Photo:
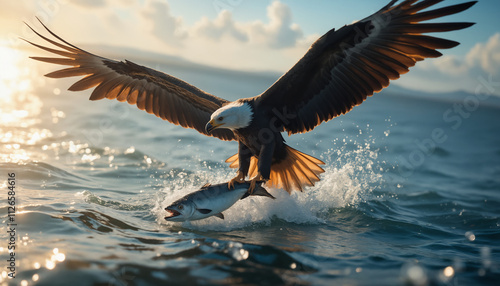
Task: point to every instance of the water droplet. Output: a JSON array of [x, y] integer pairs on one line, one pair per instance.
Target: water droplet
[[130, 150], [449, 271], [35, 277], [470, 236], [49, 264], [60, 257], [414, 275], [244, 254], [486, 257], [447, 274]]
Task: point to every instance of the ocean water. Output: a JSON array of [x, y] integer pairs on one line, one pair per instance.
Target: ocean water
[[410, 196]]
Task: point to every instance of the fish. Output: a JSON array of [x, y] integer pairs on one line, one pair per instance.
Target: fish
[[211, 200]]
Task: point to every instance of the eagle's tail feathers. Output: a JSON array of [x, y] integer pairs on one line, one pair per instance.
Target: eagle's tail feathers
[[296, 171]]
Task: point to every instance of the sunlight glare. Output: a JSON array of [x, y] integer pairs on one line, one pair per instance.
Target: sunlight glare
[[20, 107], [9, 59], [16, 101]]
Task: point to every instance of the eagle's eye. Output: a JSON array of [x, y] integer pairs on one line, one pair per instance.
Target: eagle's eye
[[220, 118]]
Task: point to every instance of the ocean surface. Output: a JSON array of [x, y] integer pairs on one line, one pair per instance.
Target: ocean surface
[[410, 196]]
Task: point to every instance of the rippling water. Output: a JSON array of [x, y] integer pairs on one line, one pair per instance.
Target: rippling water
[[410, 195]]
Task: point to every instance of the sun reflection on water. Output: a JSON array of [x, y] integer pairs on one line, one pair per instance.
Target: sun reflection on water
[[9, 58], [20, 107]]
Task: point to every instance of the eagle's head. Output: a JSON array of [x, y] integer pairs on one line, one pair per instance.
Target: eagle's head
[[234, 115]]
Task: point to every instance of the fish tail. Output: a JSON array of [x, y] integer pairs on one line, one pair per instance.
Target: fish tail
[[258, 191], [295, 171], [261, 191]]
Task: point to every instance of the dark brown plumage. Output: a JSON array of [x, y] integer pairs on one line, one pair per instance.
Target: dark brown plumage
[[153, 91], [340, 70], [344, 67]]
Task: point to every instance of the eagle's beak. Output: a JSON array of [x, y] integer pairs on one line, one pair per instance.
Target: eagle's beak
[[211, 125]]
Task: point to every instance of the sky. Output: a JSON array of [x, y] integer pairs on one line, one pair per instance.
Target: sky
[[255, 35]]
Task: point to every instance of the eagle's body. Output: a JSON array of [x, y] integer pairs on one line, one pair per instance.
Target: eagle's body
[[260, 140], [340, 70]]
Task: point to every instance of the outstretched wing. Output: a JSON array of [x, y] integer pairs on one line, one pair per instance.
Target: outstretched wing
[[153, 91], [343, 67]]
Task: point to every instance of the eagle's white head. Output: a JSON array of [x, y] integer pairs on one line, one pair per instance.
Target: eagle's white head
[[233, 116]]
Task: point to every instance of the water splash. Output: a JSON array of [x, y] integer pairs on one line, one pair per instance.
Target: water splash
[[349, 178]]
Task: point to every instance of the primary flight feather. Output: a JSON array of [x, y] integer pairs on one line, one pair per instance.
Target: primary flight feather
[[340, 70]]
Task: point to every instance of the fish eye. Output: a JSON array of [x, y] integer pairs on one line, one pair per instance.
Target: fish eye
[[180, 207], [220, 118]]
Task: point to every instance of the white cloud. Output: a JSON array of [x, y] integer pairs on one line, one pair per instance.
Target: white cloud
[[483, 57], [486, 56], [164, 25], [451, 73], [223, 25], [275, 44], [280, 32]]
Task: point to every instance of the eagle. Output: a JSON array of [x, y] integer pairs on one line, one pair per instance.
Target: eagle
[[338, 72]]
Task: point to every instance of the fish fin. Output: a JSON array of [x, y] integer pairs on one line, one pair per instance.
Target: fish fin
[[219, 215], [207, 185], [204, 211]]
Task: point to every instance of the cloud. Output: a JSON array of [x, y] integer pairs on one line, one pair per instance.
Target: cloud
[[486, 56], [275, 43], [280, 32], [457, 73], [223, 25], [483, 57], [165, 26]]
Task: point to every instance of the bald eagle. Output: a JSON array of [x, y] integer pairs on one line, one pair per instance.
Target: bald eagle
[[339, 71]]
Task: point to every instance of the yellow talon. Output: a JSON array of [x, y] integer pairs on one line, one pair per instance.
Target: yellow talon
[[240, 178], [253, 182]]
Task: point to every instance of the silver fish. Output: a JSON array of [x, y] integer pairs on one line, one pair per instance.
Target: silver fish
[[211, 200]]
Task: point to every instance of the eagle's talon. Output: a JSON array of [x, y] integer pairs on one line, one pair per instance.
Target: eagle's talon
[[254, 182], [240, 178]]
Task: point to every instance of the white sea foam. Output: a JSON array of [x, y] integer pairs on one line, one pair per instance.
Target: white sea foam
[[348, 179]]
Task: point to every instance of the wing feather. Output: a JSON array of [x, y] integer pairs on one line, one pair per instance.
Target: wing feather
[[155, 92], [437, 13], [344, 67], [69, 72]]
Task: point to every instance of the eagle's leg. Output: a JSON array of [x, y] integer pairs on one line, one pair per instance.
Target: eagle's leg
[[244, 155], [240, 178], [263, 165]]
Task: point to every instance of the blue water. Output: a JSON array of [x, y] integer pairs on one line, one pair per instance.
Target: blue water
[[410, 195]]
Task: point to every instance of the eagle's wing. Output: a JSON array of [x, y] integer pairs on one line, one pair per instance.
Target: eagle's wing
[[153, 91], [343, 67]]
